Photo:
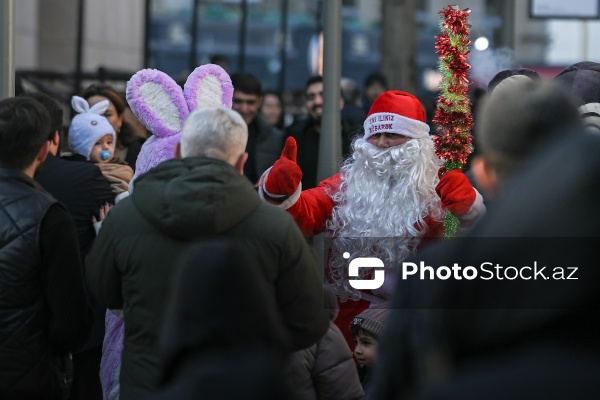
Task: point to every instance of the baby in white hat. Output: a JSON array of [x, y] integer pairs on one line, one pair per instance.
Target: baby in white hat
[[93, 137]]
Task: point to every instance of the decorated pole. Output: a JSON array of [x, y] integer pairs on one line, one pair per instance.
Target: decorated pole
[[453, 118]]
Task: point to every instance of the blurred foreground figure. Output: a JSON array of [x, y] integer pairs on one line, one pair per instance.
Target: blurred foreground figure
[[517, 118], [223, 336], [43, 310], [583, 80], [530, 335], [200, 194]]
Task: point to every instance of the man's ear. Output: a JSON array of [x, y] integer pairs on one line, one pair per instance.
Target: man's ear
[[54, 143], [239, 164], [178, 150], [56, 138], [43, 152], [484, 175]]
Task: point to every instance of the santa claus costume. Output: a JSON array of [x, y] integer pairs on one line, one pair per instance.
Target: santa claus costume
[[385, 201]]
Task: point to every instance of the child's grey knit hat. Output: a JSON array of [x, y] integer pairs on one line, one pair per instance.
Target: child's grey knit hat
[[372, 320]]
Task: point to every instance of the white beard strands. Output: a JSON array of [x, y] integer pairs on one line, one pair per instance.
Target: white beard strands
[[382, 203]]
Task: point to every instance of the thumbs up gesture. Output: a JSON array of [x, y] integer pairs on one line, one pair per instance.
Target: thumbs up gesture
[[283, 178]]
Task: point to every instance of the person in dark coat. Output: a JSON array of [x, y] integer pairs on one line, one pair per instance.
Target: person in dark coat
[[307, 133], [83, 189], [43, 311], [80, 186], [264, 141], [516, 118], [201, 194], [374, 85], [582, 79], [533, 335], [352, 112], [211, 347], [325, 370], [503, 79]]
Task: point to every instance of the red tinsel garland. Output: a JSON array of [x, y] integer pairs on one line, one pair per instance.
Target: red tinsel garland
[[453, 118]]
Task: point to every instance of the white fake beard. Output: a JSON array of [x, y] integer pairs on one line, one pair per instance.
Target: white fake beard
[[382, 203]]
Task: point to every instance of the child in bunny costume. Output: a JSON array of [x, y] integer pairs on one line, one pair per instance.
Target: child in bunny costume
[[93, 137], [161, 105]]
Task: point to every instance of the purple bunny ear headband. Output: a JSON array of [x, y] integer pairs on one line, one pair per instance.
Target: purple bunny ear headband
[[162, 106]]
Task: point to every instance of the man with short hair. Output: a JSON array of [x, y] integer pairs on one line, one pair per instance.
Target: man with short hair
[[582, 79], [517, 119], [43, 307], [264, 141], [307, 132], [201, 194], [374, 85], [82, 188]]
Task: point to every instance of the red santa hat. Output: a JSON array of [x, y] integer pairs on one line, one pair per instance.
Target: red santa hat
[[398, 112]]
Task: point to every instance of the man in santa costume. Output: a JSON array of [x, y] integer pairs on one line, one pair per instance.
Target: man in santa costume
[[385, 202]]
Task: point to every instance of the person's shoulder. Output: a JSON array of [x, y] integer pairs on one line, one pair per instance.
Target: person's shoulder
[[265, 127], [73, 157], [333, 341], [66, 168], [274, 213], [298, 126], [276, 223]]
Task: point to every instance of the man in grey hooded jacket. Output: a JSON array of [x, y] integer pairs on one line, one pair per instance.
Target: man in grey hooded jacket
[[200, 194]]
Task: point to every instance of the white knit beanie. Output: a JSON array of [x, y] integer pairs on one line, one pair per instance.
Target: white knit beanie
[[88, 126]]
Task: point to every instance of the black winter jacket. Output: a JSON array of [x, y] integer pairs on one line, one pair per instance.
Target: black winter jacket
[[36, 329], [144, 236]]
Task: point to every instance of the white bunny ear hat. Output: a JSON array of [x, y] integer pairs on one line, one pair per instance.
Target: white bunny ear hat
[[88, 126], [162, 106]]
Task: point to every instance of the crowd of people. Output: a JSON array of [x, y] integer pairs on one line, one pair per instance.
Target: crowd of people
[[180, 265]]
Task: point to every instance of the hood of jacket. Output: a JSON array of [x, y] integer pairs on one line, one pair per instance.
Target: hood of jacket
[[194, 196]]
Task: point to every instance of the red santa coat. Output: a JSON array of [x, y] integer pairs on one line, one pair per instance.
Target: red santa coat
[[311, 209]]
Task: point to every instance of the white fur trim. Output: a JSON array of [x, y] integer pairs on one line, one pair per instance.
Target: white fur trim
[[121, 196], [97, 226], [394, 123], [287, 203], [210, 93], [593, 117], [158, 100], [474, 214]]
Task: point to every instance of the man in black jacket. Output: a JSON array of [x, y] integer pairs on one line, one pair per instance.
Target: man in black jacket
[[264, 141], [201, 194], [307, 132], [83, 189], [43, 311]]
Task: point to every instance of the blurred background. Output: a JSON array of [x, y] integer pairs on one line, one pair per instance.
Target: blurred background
[[63, 45]]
